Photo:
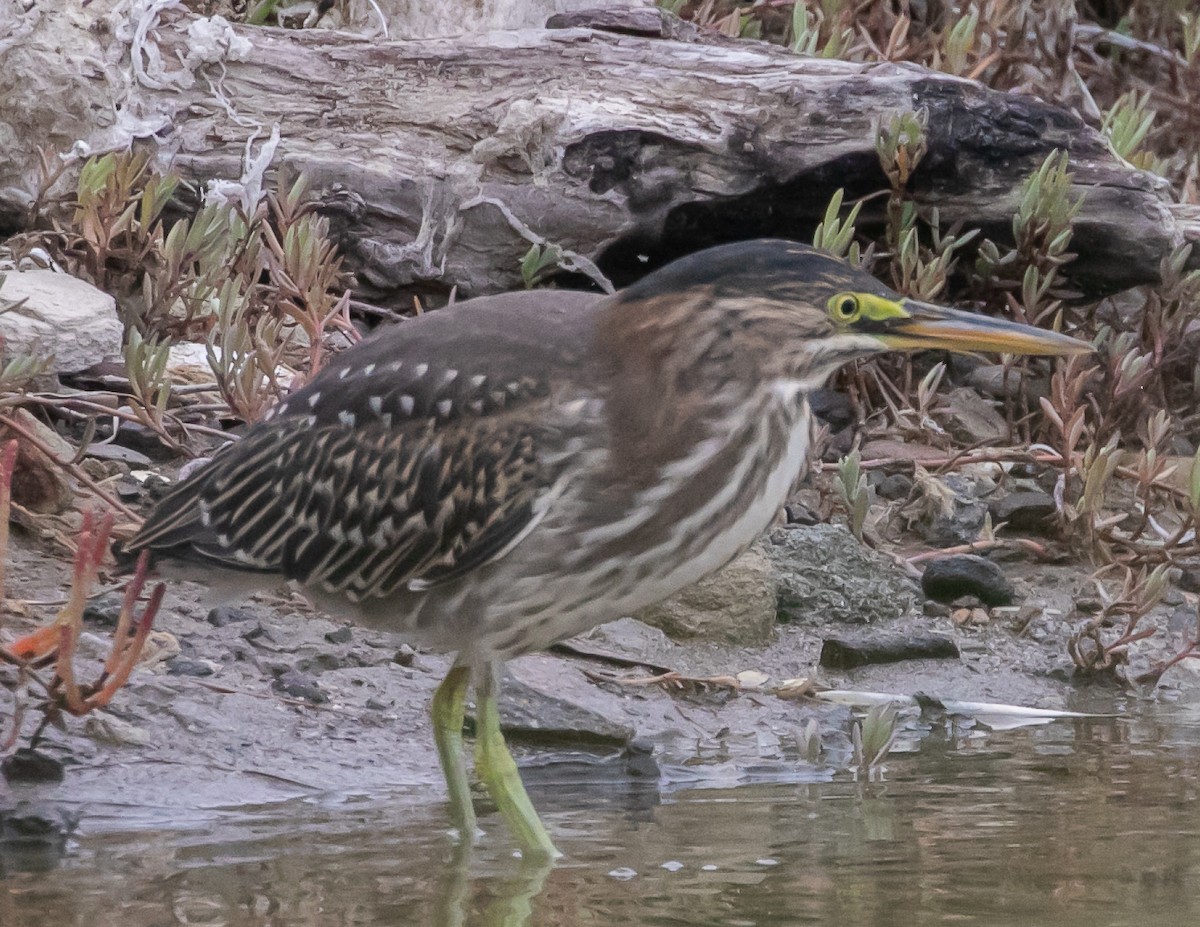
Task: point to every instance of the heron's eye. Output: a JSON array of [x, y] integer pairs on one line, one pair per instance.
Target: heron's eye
[[844, 307]]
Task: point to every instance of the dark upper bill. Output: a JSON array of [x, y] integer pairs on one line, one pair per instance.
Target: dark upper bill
[[930, 326]]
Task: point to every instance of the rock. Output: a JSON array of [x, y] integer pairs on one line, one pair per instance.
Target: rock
[[224, 615], [736, 605], [995, 381], [832, 407], [1189, 579], [967, 617], [947, 578], [1031, 511], [34, 838], [629, 638], [39, 483], [549, 700], [797, 513], [931, 609], [949, 510], [109, 729], [340, 636], [300, 685], [848, 651], [404, 656], [970, 418], [184, 667], [825, 575], [892, 486], [29, 765], [63, 316], [104, 611]]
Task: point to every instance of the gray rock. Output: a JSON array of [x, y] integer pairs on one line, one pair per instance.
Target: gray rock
[[405, 656], [736, 605], [224, 615], [832, 407], [1025, 511], [892, 486], [34, 836], [960, 520], [845, 651], [630, 638], [29, 765], [947, 578], [180, 666], [552, 702], [971, 419], [104, 611], [993, 380], [340, 636], [826, 575], [63, 316], [300, 685]]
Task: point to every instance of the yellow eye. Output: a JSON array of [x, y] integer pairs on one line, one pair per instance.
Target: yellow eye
[[844, 307]]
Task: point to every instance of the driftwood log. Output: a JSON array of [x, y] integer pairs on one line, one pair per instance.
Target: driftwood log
[[440, 160]]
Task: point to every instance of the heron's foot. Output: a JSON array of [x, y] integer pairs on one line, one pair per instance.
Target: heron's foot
[[449, 705], [496, 768]]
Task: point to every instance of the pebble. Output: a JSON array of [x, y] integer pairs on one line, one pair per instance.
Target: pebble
[[935, 609], [103, 611], [29, 765], [623, 874], [183, 667], [404, 656], [300, 685], [672, 865], [947, 578], [340, 636], [1031, 511], [224, 615], [963, 617], [894, 486], [833, 407], [256, 632]]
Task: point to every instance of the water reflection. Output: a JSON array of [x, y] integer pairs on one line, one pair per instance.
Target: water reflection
[[1080, 823]]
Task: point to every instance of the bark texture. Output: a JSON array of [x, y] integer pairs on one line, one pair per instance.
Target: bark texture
[[440, 160]]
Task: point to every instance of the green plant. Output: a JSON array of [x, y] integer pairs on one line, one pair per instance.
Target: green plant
[[872, 739], [1127, 124], [852, 487], [150, 389], [539, 261], [834, 234]]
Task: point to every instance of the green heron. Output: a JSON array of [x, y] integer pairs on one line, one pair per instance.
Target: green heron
[[498, 476]]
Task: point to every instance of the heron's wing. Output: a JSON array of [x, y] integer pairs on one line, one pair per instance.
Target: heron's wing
[[387, 470], [357, 510]]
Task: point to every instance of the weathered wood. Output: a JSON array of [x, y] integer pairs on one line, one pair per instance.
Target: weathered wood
[[442, 158]]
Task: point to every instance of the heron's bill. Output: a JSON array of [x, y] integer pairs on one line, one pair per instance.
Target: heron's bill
[[934, 327]]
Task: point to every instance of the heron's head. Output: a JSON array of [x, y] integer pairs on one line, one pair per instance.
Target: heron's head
[[803, 313]]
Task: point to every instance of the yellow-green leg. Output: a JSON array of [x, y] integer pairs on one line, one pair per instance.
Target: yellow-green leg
[[449, 704], [496, 768]]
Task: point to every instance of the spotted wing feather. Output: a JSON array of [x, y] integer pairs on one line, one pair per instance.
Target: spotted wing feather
[[356, 511], [408, 461]]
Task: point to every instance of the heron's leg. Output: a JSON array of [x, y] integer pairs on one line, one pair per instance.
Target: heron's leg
[[449, 704], [497, 770]]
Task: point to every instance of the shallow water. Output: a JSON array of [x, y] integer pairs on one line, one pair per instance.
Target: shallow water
[[1074, 823]]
